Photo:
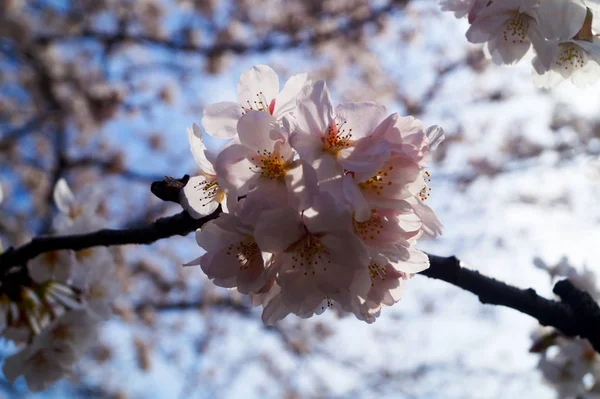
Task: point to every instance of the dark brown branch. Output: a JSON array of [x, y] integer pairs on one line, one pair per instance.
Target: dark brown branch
[[179, 224], [576, 315]]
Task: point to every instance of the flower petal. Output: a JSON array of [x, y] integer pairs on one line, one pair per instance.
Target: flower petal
[[200, 196], [315, 111], [220, 119], [260, 79], [277, 229], [286, 99], [254, 129], [63, 196], [199, 150], [360, 119]]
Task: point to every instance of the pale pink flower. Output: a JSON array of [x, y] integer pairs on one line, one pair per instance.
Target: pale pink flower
[[264, 160], [574, 51], [52, 265], [77, 215], [258, 89], [317, 257], [232, 258], [398, 179], [53, 352], [387, 287], [202, 194], [390, 239], [509, 27], [408, 136], [95, 277], [347, 139]]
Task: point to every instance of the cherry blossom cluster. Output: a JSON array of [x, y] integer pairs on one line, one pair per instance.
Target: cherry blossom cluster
[[322, 205], [562, 35], [569, 365], [54, 307]]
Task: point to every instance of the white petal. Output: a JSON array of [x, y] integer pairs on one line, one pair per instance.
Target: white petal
[[360, 206], [259, 79], [435, 135], [234, 170], [274, 311], [362, 118], [198, 198], [560, 19], [416, 262], [199, 150], [286, 99], [315, 111], [220, 119], [277, 229], [308, 146], [254, 129], [63, 196]]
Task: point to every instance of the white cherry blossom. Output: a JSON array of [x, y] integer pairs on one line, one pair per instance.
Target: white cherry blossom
[[317, 257], [77, 215], [95, 277], [202, 194], [258, 89], [232, 258], [509, 27], [53, 352], [52, 265]]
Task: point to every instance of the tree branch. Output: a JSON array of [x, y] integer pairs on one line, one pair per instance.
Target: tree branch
[[576, 315]]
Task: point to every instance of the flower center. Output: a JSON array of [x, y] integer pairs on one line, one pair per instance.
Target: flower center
[[83, 254], [377, 271], [337, 138], [52, 258], [62, 333], [246, 252], [210, 191], [370, 229], [95, 291], [570, 54], [308, 253], [378, 182], [425, 192], [516, 29], [260, 104], [272, 165]]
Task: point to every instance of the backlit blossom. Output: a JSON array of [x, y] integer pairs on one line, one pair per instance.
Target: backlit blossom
[[562, 33], [232, 258], [325, 206], [258, 90], [202, 194], [509, 28], [53, 352], [317, 257]]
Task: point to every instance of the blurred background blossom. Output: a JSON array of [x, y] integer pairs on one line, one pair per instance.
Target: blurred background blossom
[[101, 93]]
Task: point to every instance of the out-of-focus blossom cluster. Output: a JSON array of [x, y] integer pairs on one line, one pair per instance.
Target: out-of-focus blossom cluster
[[323, 205], [570, 365], [562, 34], [54, 307]]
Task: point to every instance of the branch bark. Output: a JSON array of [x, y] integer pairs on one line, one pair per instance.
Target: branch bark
[[576, 315]]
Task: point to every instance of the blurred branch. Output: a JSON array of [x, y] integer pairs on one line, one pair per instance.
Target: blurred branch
[[340, 29], [576, 315], [9, 137], [222, 302]]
